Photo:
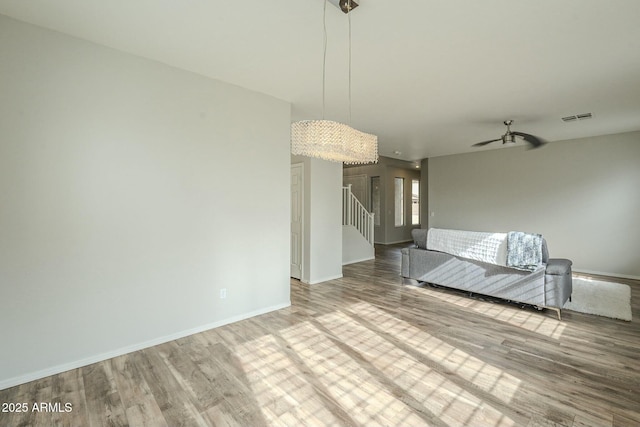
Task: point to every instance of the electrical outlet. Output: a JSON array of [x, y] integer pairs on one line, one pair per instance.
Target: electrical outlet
[[223, 293]]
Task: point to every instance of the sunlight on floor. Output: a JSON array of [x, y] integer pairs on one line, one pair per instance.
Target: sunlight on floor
[[338, 369], [522, 318], [439, 395], [361, 396], [488, 378], [282, 392]]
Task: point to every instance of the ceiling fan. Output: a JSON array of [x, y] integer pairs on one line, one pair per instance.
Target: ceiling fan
[[510, 137]]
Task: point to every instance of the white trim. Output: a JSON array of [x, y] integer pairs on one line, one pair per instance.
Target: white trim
[[602, 273], [302, 212], [324, 279], [396, 242], [358, 260], [11, 382]]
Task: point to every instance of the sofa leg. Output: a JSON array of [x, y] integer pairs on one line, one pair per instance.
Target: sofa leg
[[557, 310]]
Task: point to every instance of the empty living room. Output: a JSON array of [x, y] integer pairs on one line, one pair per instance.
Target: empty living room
[[323, 212]]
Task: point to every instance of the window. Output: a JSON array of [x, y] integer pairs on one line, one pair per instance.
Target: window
[[415, 202], [399, 201]]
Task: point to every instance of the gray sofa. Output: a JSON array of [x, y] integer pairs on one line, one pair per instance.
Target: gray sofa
[[548, 286]]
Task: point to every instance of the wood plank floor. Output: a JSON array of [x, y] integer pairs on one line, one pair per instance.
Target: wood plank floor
[[368, 349]]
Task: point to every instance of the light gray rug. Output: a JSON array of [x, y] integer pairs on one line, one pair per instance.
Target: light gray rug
[[601, 298]]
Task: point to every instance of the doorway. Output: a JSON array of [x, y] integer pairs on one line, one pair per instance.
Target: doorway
[[297, 218]]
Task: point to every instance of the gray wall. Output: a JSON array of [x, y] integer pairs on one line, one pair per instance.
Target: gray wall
[[582, 195], [388, 169], [125, 205], [403, 233]]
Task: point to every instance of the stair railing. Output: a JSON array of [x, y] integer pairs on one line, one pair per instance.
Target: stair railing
[[353, 213]]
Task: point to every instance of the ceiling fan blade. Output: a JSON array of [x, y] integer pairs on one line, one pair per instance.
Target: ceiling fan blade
[[480, 144], [533, 140]]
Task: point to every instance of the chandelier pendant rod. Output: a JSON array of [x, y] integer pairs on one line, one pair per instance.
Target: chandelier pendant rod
[[349, 19], [324, 56]]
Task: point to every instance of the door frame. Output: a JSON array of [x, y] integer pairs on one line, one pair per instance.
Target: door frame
[[299, 166]]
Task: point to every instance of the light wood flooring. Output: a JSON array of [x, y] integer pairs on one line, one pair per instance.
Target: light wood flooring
[[368, 349]]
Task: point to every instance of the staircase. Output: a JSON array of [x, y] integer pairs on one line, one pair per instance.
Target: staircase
[[357, 230]]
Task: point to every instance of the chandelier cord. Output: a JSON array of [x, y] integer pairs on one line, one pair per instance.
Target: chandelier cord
[[324, 55], [330, 140], [349, 19]]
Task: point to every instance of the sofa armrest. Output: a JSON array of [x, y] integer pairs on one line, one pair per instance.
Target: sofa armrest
[[419, 236], [558, 282], [558, 266], [405, 263]]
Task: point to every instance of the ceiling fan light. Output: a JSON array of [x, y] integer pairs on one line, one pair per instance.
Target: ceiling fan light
[[508, 138]]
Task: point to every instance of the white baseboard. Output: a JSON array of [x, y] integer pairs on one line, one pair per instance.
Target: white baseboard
[[396, 242], [358, 260], [11, 382], [324, 279], [604, 273]]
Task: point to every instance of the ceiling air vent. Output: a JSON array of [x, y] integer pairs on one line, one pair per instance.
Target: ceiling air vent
[[583, 116]]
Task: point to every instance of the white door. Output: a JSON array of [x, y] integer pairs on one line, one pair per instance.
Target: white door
[[297, 204]]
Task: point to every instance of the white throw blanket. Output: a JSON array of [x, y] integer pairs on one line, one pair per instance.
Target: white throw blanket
[[478, 246]]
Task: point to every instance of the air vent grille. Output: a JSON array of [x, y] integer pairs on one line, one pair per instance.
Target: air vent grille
[[583, 116]]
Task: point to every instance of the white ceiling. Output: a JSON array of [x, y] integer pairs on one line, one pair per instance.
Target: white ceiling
[[429, 77]]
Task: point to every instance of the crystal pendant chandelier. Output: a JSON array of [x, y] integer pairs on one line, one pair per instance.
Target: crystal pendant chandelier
[[329, 140]]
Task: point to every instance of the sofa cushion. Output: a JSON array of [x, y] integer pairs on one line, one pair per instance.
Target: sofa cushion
[[419, 236]]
